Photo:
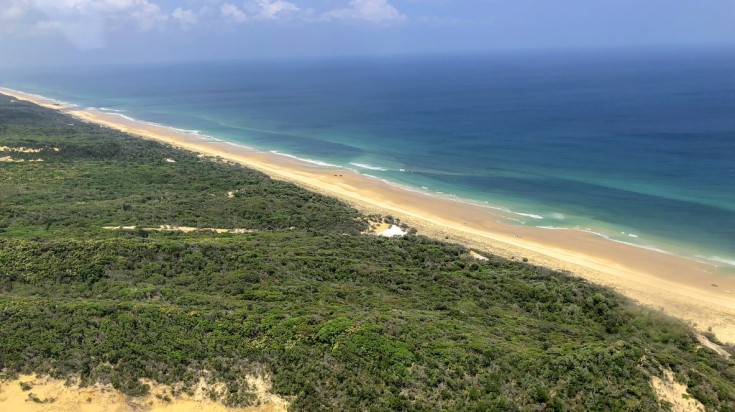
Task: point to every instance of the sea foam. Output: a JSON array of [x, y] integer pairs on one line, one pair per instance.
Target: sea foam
[[302, 159], [369, 167], [531, 215], [718, 259]]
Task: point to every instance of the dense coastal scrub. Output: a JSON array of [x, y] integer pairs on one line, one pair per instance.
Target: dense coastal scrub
[[340, 320]]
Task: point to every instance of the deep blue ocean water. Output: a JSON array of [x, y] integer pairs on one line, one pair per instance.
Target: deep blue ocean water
[[637, 146]]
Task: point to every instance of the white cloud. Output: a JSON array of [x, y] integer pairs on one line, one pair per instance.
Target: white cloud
[[143, 11], [148, 15], [231, 12], [84, 23], [272, 10], [46, 25], [87, 23], [12, 13], [10, 16], [258, 10], [441, 21], [185, 17], [376, 11]]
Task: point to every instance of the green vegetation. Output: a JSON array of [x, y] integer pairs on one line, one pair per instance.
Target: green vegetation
[[340, 320]]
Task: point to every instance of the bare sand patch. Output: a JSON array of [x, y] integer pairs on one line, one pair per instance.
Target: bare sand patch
[[376, 225], [19, 149], [711, 345], [477, 256], [31, 393], [8, 159], [675, 393], [184, 229]]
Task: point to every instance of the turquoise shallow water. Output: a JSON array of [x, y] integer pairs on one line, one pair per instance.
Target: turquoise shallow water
[[638, 147]]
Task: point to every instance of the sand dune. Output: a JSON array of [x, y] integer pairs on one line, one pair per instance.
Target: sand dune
[[30, 393]]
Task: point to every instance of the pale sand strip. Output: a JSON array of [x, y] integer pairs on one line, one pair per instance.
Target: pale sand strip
[[681, 287], [48, 394], [668, 389]]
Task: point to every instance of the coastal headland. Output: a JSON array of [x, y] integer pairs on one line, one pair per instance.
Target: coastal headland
[[694, 291]]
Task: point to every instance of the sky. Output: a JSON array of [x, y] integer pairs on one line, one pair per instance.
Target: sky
[[61, 32]]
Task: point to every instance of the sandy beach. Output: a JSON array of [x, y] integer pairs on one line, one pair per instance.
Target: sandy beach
[[690, 290]]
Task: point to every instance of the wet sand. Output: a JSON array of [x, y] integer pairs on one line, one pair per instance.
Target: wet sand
[[681, 287]]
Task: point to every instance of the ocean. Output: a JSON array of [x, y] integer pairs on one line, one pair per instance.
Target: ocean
[[635, 146]]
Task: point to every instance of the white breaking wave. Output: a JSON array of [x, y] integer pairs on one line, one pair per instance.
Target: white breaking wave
[[134, 120], [196, 133], [718, 259], [238, 145], [301, 159], [38, 96], [637, 245], [523, 222], [531, 215], [369, 167]]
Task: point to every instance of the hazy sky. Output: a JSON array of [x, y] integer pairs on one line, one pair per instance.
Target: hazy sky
[[40, 32]]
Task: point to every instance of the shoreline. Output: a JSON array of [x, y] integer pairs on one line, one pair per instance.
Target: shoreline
[[609, 232], [682, 287]]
